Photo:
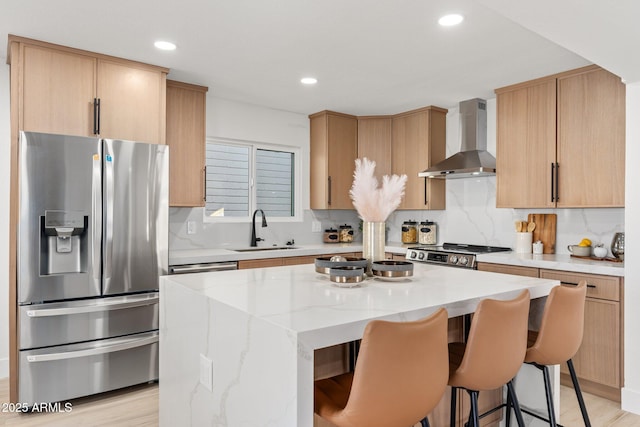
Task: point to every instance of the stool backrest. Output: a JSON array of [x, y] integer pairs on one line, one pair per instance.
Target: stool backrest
[[562, 326], [496, 344], [401, 372]]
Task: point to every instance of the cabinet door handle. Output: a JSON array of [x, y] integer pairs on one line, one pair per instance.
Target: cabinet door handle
[[425, 191], [96, 116], [557, 179], [575, 284], [553, 170], [204, 186], [329, 201]]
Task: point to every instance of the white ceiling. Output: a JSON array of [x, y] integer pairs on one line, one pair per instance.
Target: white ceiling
[[370, 57]]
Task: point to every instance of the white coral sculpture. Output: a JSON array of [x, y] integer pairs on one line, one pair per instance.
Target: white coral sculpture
[[372, 203]]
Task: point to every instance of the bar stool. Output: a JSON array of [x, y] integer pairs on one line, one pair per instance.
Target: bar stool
[[492, 355], [558, 340], [400, 376]]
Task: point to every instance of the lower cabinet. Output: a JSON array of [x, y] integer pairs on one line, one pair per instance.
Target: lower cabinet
[[599, 361], [294, 260]]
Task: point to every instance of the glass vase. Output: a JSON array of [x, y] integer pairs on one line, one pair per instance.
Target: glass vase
[[373, 237]]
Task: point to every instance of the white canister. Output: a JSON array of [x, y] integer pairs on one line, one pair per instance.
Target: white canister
[[427, 233], [524, 242], [538, 247]]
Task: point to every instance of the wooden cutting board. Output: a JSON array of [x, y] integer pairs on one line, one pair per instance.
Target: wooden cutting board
[[545, 231]]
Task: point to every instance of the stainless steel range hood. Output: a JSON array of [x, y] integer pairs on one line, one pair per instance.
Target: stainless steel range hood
[[473, 160]]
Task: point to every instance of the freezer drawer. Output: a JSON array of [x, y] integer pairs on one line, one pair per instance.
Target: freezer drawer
[[43, 325], [66, 372]]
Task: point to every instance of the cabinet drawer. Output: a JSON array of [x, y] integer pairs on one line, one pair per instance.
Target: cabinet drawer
[[602, 287]]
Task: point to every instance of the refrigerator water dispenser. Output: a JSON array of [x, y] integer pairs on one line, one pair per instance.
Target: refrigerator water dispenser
[[63, 242]]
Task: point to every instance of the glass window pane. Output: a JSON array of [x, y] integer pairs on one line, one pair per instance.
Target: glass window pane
[[274, 182], [227, 180]]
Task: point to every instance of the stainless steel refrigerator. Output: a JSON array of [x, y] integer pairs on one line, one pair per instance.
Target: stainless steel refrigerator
[[92, 243]]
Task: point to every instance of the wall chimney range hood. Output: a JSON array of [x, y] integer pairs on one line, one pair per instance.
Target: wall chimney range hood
[[473, 160]]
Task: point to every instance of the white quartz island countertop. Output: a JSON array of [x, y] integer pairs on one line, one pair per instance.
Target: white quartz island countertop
[[260, 327]]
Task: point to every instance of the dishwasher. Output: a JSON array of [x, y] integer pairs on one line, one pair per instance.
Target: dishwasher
[[203, 268]]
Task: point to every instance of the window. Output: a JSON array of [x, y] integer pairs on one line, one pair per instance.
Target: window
[[243, 176]]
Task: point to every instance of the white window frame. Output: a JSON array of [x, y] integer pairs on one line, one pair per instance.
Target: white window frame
[[297, 183]]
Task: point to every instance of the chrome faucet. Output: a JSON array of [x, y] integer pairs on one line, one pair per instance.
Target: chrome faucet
[[254, 240]]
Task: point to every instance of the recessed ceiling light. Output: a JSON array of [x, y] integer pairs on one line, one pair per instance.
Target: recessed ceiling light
[[450, 20], [308, 80], [164, 45]]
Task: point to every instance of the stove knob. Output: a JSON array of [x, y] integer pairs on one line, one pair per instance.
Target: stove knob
[[464, 260], [453, 259], [421, 256], [412, 254]]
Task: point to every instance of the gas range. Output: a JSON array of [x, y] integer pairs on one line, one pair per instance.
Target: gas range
[[451, 254]]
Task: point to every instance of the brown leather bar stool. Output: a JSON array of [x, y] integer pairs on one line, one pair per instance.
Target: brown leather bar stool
[[492, 355], [558, 340], [400, 376]]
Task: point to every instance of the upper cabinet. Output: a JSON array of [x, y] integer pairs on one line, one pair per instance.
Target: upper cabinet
[[186, 133], [419, 141], [74, 92], [374, 142], [405, 143], [561, 141], [334, 140]]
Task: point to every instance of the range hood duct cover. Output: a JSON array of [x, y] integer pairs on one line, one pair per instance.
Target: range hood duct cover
[[473, 160]]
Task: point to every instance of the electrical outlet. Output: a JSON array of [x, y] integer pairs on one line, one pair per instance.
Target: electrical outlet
[[191, 227], [206, 372], [316, 226]]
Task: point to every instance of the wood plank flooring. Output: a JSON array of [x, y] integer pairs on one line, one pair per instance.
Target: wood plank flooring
[[138, 406]]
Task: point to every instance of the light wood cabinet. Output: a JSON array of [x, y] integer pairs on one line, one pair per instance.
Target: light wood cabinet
[[509, 269], [374, 142], [418, 142], [186, 133], [132, 101], [334, 139], [599, 361], [561, 141], [74, 92]]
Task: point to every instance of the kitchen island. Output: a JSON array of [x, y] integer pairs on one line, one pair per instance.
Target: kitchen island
[[260, 327]]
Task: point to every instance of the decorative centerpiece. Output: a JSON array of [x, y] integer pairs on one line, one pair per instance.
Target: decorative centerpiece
[[374, 204]]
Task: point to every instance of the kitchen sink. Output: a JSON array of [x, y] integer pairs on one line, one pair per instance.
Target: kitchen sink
[[268, 248]]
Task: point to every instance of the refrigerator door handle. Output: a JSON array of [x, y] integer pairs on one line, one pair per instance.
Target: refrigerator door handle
[[108, 229], [96, 214], [93, 308], [139, 342]]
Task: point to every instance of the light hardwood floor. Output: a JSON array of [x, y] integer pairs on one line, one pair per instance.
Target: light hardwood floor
[[138, 406]]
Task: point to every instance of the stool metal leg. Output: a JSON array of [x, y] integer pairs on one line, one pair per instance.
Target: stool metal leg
[[576, 387], [508, 410], [514, 402], [474, 420], [547, 390], [452, 416], [425, 422]]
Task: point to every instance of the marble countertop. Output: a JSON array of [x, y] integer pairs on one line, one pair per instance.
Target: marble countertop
[[197, 256], [555, 262], [549, 261], [307, 303]]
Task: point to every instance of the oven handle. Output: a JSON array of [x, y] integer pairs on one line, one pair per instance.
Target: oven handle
[[140, 342], [92, 308]]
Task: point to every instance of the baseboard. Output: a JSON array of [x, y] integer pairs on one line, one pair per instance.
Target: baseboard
[[630, 400], [4, 368]]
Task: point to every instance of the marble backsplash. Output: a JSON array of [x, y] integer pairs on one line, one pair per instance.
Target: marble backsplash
[[470, 217]]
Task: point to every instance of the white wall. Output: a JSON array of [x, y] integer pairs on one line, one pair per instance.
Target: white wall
[[631, 390], [5, 141]]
